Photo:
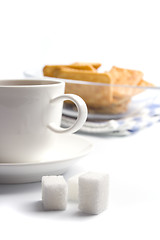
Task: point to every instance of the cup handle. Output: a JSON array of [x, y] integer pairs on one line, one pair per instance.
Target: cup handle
[[82, 113]]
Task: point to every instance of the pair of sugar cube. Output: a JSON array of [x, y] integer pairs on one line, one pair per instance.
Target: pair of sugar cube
[[89, 189]]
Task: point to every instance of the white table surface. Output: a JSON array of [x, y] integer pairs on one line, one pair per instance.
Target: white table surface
[[133, 164]]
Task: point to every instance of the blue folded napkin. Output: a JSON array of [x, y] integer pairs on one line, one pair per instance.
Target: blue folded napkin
[[120, 127]]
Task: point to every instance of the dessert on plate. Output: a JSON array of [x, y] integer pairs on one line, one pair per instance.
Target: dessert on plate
[[109, 92]]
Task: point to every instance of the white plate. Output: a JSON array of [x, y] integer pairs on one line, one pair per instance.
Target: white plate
[[67, 149], [33, 72]]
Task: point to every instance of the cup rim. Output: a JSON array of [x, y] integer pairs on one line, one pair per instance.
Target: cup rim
[[43, 82]]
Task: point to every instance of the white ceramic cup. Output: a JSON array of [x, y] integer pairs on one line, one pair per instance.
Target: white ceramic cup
[[30, 118]]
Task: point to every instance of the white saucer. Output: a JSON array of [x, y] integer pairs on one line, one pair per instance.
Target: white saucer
[[67, 149]]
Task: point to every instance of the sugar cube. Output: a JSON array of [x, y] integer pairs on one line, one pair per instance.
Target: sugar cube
[[73, 187], [93, 192], [54, 193]]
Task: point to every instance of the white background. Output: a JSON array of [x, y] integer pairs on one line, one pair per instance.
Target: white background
[[122, 33]]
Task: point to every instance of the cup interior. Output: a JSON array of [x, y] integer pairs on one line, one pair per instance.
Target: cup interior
[[27, 82]]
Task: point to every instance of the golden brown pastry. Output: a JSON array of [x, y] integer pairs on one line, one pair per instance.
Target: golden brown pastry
[[112, 96]]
